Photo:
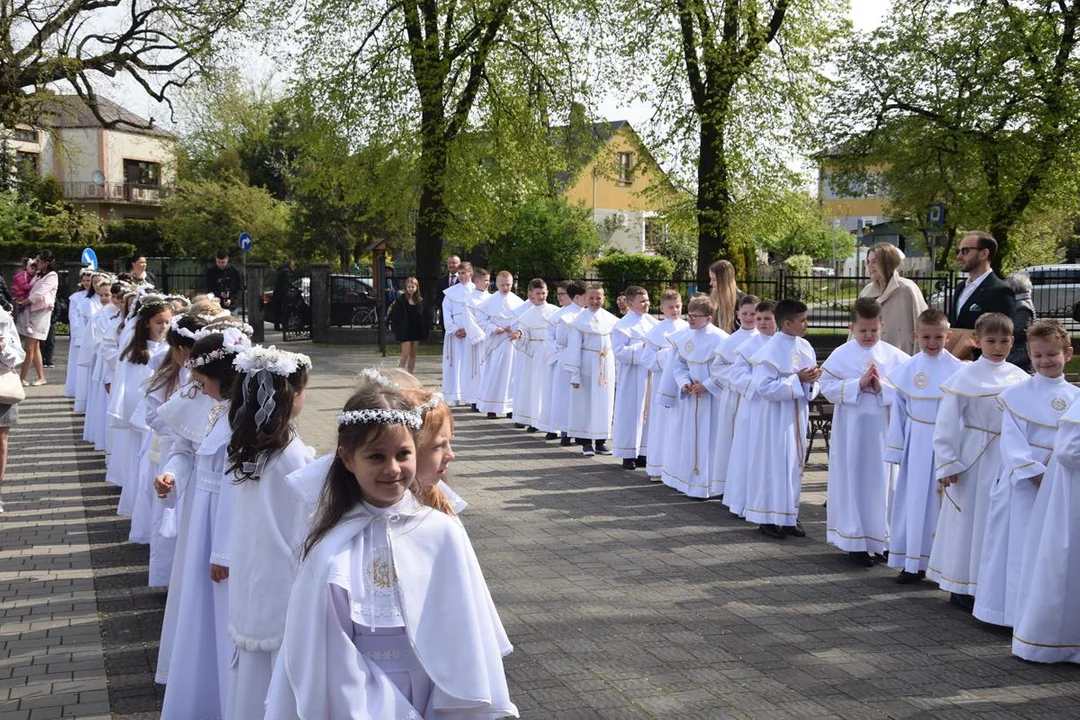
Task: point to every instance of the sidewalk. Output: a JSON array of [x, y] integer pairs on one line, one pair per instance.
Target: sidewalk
[[623, 599]]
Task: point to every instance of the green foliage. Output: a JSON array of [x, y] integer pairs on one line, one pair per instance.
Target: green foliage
[[16, 250], [617, 270], [16, 217], [548, 239], [202, 217], [143, 234], [26, 218], [800, 267], [789, 222], [989, 128]]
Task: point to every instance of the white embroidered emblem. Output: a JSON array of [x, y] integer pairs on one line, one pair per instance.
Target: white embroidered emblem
[[1013, 379], [1059, 404], [922, 380], [689, 347], [796, 358]]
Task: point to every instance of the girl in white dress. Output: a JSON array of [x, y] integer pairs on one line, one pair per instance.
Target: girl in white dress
[[198, 667], [133, 367], [389, 617], [77, 309], [264, 450], [95, 357], [433, 451], [100, 300]]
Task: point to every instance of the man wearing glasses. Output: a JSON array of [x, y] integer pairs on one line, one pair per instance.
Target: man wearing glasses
[[982, 291]]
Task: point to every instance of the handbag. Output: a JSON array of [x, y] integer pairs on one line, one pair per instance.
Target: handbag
[[11, 389]]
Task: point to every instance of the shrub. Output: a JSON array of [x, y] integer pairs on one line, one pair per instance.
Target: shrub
[[549, 239], [16, 250], [797, 281], [617, 270]]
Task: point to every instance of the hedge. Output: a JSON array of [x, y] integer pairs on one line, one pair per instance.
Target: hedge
[[107, 253], [617, 270]]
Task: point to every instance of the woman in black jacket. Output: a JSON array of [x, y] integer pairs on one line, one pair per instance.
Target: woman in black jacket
[[409, 322]]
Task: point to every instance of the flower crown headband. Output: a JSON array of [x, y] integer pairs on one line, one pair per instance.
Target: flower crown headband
[[431, 404], [371, 374], [409, 418], [233, 341], [263, 363], [87, 272]]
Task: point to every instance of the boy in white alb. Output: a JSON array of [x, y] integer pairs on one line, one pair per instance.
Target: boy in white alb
[[729, 399], [968, 457], [740, 383], [695, 415], [591, 365], [555, 410], [455, 340], [916, 500], [495, 396], [1046, 626], [859, 477], [530, 330], [471, 372], [628, 436], [1029, 425], [657, 356], [785, 376]]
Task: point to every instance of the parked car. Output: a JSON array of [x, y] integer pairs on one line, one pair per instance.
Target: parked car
[[1055, 289], [352, 302]]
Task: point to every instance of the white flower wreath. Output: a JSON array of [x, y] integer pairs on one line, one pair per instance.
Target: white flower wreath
[[431, 404], [408, 418], [274, 361], [371, 374]]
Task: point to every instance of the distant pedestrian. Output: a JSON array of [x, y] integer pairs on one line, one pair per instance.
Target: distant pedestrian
[[409, 321], [283, 285], [724, 293], [225, 282], [1025, 314], [36, 317], [138, 272]]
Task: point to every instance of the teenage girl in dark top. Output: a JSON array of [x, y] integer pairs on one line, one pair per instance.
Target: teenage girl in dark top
[[409, 322]]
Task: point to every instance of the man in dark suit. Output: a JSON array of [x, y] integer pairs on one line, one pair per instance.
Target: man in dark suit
[[445, 281], [982, 291]]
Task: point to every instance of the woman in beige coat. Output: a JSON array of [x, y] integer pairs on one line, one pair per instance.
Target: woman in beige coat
[[901, 300]]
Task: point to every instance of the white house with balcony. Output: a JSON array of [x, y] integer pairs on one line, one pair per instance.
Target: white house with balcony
[[117, 172]]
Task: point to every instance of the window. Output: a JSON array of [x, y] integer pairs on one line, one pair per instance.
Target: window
[[626, 168], [28, 163], [25, 135], [655, 233], [139, 172]]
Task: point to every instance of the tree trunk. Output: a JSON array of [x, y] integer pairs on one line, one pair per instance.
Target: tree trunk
[[714, 192], [432, 212], [1000, 230]]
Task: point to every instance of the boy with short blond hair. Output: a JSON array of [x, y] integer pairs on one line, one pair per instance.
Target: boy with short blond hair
[[858, 474], [497, 316], [966, 438], [529, 333], [696, 412], [916, 501], [1029, 426], [591, 364], [657, 358], [729, 399], [631, 379]]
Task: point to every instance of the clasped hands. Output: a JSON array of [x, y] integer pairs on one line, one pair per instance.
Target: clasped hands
[[870, 381]]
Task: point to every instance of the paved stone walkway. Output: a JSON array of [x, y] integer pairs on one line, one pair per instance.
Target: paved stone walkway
[[623, 599]]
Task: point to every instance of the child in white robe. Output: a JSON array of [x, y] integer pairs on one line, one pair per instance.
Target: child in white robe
[[77, 315], [1046, 625], [133, 367], [552, 348], [559, 394], [591, 365], [695, 415], [785, 377], [97, 396], [859, 477], [495, 395], [83, 359], [968, 457], [1029, 424], [264, 450], [657, 356], [433, 451], [740, 383], [729, 399], [388, 592], [472, 372], [201, 649], [628, 432], [530, 331], [455, 342], [916, 501]]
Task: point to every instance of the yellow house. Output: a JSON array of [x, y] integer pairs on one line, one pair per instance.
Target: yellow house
[[620, 183], [848, 206]]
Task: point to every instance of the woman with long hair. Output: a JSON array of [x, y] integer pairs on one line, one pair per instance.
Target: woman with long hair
[[724, 294], [900, 299], [36, 317], [409, 322]]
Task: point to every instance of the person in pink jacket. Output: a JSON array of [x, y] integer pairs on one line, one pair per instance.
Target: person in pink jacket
[[36, 315]]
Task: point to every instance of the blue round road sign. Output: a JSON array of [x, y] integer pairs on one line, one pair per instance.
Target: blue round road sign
[[245, 241], [89, 258]]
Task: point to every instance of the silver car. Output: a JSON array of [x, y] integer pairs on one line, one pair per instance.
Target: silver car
[[1055, 290]]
